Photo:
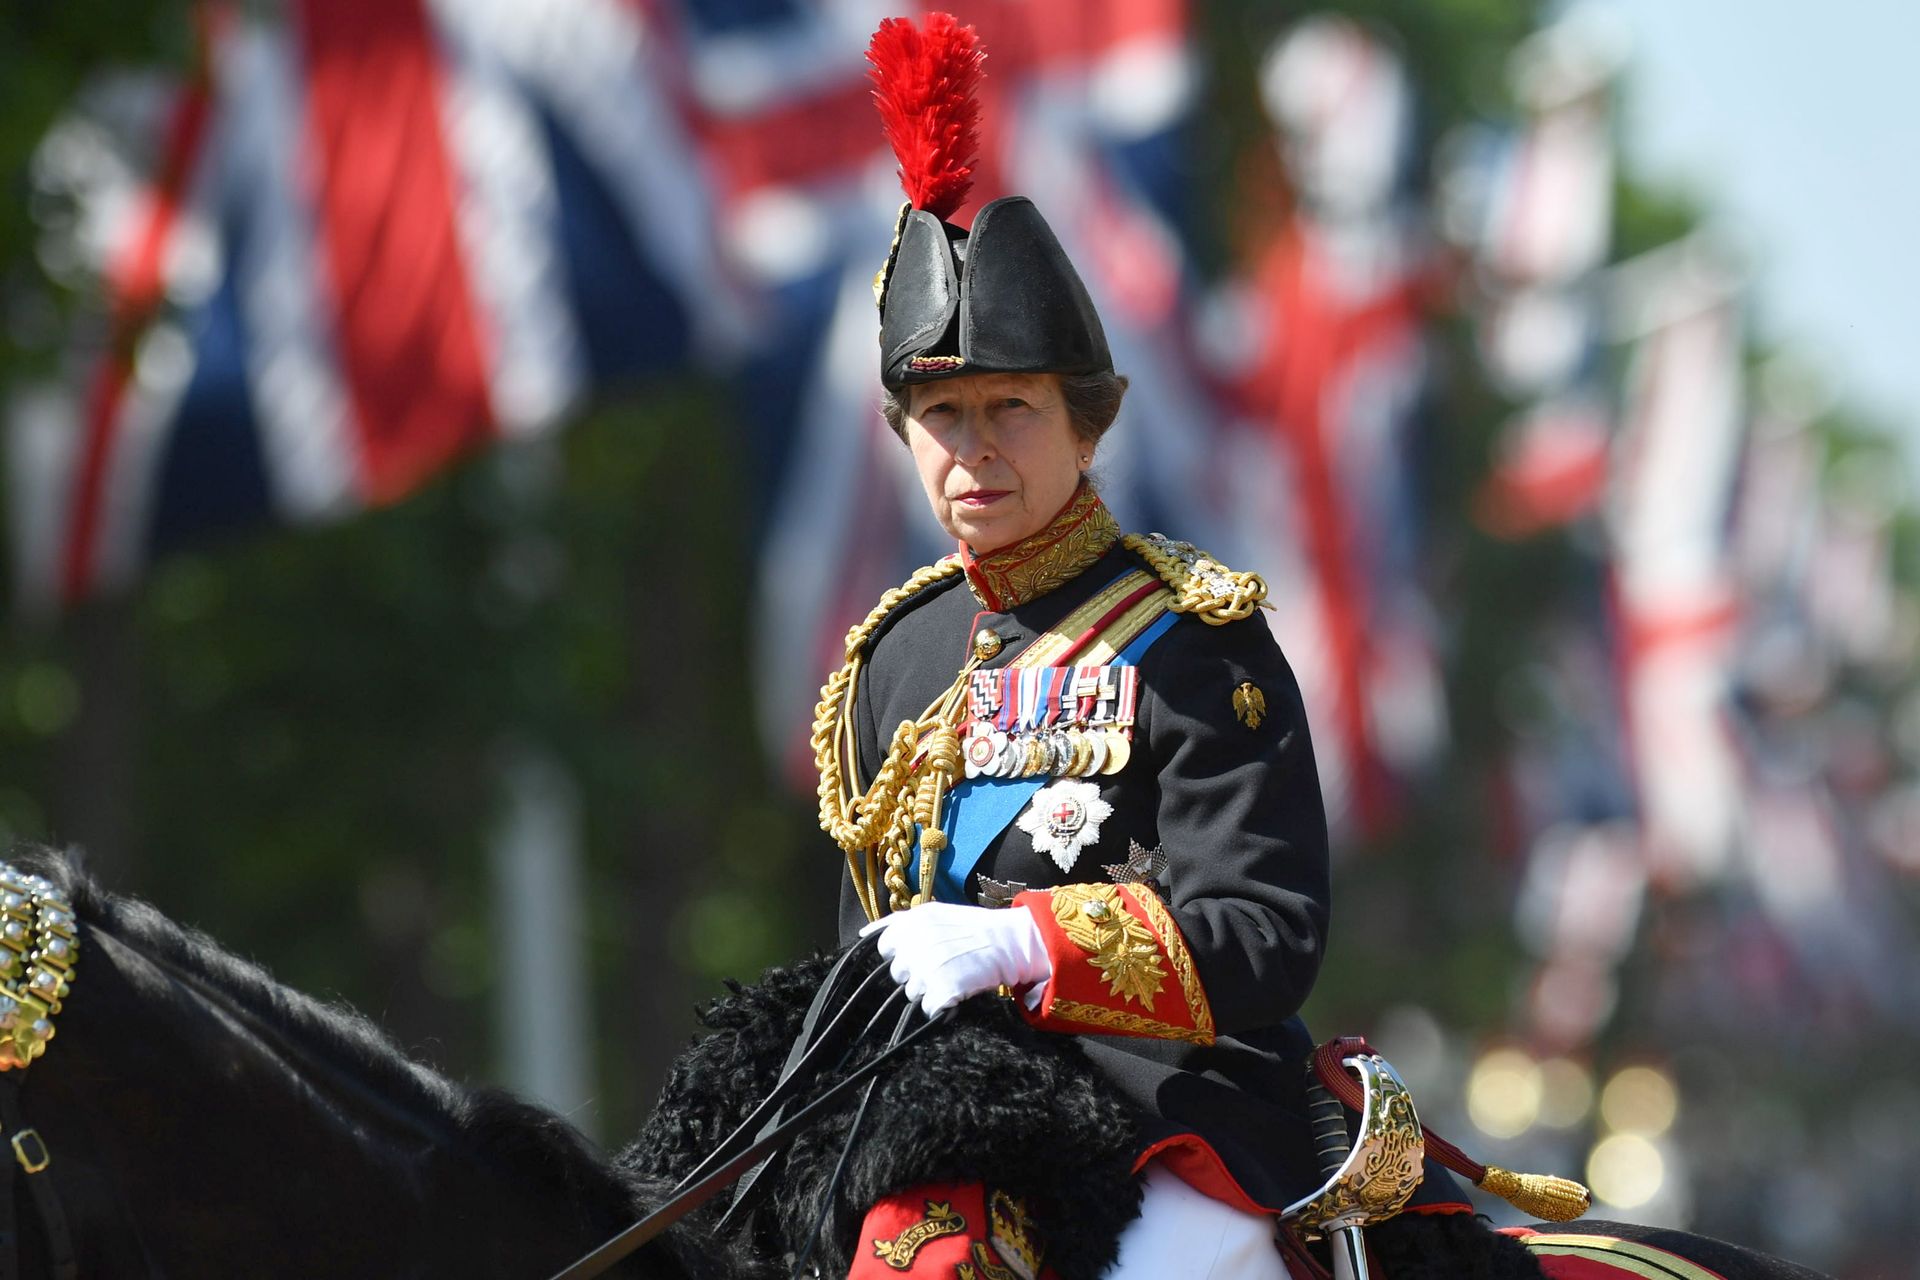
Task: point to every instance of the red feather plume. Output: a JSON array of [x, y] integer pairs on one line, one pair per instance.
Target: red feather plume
[[923, 84]]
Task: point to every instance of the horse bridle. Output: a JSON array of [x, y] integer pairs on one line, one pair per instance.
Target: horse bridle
[[749, 1148], [39, 952]]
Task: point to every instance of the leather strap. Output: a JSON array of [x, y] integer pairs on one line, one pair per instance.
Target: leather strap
[[28, 1154], [9, 1218]]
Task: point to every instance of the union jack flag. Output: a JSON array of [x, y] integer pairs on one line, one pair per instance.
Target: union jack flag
[[376, 237], [1330, 394], [1536, 206]]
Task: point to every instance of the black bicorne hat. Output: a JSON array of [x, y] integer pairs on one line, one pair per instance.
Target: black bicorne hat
[[1000, 299]]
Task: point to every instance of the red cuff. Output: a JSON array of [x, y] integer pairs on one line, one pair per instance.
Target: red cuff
[[1120, 965]]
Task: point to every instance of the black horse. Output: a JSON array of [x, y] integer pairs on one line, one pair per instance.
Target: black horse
[[204, 1120]]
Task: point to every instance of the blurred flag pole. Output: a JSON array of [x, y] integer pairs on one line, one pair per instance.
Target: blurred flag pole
[[542, 982], [542, 1016]]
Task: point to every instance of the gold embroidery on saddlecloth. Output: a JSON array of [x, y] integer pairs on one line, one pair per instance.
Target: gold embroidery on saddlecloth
[[983, 1267], [940, 1220]]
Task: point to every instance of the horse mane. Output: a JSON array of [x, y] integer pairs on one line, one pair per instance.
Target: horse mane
[[489, 1123]]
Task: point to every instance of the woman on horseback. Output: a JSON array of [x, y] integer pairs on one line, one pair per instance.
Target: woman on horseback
[[1065, 764]]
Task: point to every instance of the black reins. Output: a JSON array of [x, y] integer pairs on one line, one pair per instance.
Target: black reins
[[751, 1146], [809, 1051]]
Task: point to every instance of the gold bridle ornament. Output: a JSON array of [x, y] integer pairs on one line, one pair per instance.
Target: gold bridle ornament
[[39, 951]]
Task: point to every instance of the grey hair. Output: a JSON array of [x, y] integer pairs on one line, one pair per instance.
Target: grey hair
[[1092, 400]]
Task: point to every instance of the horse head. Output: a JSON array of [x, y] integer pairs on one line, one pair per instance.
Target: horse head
[[201, 1118]]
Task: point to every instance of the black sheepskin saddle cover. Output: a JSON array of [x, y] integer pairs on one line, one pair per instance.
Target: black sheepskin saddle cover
[[987, 1099]]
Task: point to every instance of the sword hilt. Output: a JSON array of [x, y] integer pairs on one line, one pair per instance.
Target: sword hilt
[[1327, 1117]]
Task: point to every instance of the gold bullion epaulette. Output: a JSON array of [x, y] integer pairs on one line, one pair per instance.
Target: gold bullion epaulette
[[862, 631], [1200, 583]]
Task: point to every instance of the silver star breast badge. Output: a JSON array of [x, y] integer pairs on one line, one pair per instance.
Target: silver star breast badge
[[1065, 818]]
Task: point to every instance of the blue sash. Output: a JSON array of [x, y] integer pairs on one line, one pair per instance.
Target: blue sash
[[979, 809]]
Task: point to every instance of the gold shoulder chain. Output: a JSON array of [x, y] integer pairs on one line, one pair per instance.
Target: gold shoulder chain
[[877, 825], [1201, 584]]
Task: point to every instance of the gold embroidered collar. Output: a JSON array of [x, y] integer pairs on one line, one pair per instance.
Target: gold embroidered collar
[[1079, 535]]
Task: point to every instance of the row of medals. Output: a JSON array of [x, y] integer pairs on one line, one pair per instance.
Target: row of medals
[[1058, 752]]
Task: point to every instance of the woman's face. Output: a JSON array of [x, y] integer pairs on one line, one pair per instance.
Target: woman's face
[[996, 452]]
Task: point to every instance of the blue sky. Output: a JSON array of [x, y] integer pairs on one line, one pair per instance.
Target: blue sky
[[1798, 125]]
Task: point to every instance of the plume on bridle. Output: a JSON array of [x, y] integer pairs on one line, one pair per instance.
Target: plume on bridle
[[924, 83]]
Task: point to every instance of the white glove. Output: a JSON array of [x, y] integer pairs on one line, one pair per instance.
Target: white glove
[[943, 952]]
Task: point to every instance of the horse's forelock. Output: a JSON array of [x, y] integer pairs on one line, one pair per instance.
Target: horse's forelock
[[63, 867]]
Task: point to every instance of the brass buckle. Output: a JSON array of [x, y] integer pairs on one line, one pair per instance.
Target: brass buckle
[[40, 1158]]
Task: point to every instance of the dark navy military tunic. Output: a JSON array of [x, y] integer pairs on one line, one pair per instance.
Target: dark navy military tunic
[[1237, 811]]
